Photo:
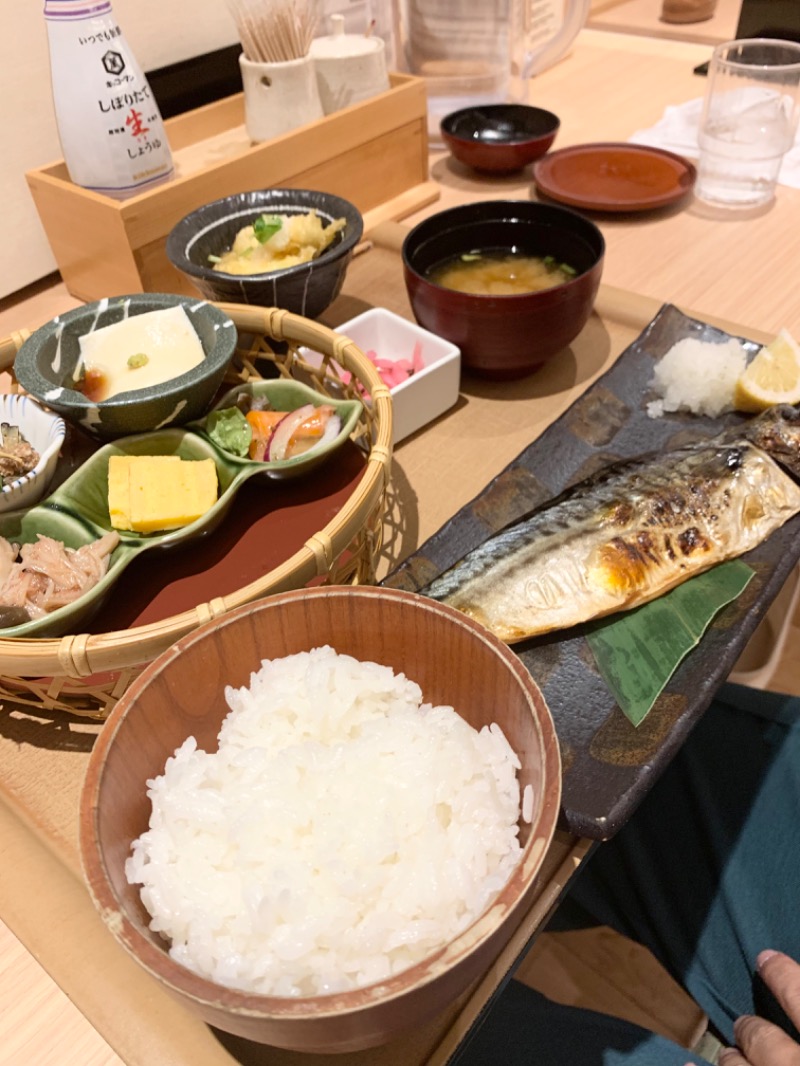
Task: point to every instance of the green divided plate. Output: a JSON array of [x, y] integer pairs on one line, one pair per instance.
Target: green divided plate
[[286, 395], [77, 512]]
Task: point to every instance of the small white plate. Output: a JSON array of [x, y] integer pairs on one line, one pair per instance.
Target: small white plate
[[45, 432], [428, 393]]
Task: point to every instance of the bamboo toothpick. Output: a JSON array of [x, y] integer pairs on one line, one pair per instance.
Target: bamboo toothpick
[[274, 31]]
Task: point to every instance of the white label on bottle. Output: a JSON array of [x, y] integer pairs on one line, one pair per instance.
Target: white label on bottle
[[109, 124]]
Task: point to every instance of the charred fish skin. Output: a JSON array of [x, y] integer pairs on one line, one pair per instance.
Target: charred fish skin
[[777, 432], [626, 536]]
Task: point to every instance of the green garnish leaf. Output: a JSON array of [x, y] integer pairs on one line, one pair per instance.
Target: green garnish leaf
[[567, 269], [137, 360], [215, 258], [266, 226], [229, 429], [549, 260], [470, 257], [638, 651]]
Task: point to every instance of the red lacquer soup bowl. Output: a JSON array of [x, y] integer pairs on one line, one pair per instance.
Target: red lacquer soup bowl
[[505, 336]]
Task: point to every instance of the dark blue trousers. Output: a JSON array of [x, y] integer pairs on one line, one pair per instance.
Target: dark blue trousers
[[706, 875]]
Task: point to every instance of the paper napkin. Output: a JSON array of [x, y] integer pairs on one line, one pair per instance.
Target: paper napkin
[[677, 132]]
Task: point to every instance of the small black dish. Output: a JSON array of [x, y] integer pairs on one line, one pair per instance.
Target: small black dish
[[499, 138], [306, 289]]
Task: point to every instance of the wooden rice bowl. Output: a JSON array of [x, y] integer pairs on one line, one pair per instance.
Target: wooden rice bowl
[[455, 661]]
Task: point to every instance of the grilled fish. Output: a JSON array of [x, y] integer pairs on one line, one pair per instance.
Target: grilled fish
[[631, 532]]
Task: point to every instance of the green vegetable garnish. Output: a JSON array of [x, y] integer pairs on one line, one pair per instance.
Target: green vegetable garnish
[[470, 257], [266, 226], [229, 429], [215, 258], [552, 265], [137, 360]]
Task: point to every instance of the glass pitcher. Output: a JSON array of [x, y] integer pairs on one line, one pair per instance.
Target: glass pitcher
[[481, 51]]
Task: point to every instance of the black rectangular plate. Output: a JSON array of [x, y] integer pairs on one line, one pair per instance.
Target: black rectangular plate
[[609, 766]]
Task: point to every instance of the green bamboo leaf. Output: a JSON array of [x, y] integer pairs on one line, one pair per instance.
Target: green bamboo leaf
[[637, 652]]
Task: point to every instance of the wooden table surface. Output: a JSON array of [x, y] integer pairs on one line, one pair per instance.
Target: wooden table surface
[[643, 17], [742, 270]]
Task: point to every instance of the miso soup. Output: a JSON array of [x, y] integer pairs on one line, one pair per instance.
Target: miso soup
[[500, 272]]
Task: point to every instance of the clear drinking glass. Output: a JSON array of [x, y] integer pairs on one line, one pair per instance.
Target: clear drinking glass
[[749, 120]]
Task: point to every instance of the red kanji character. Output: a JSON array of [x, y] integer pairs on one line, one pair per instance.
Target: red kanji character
[[134, 120]]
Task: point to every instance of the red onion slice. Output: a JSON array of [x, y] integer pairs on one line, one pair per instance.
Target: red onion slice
[[282, 437], [284, 430]]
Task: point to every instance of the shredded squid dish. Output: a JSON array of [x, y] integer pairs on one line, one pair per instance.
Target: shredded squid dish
[[38, 578]]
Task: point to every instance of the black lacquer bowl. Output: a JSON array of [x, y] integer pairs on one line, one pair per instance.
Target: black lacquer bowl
[[499, 138]]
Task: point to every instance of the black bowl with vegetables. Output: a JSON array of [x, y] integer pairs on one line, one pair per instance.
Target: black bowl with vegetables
[[199, 244]]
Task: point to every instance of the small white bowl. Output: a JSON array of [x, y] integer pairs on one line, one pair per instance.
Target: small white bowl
[[426, 394], [44, 432]]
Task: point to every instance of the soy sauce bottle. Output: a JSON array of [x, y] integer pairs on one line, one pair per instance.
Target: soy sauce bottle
[[111, 131]]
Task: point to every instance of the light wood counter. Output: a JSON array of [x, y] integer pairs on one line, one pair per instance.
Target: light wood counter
[[742, 270], [643, 17], [739, 267]]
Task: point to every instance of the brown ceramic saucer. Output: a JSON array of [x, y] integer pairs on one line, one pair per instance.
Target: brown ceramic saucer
[[614, 177]]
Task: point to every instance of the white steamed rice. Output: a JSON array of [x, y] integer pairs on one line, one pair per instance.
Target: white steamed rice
[[697, 376], [342, 832]]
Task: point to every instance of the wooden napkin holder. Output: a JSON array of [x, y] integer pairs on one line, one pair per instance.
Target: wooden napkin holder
[[368, 153]]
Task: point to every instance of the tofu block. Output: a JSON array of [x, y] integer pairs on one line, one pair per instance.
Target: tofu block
[[167, 340], [155, 493]]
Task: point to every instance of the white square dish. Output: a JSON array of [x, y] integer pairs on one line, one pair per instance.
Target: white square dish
[[427, 393]]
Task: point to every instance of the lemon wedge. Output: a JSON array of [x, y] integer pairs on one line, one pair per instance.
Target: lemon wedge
[[772, 377]]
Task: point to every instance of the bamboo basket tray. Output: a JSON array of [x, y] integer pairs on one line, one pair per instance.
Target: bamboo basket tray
[[85, 674]]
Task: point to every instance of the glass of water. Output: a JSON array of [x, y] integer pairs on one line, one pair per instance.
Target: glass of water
[[749, 120]]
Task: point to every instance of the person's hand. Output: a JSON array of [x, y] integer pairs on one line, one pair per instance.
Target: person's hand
[[760, 1043]]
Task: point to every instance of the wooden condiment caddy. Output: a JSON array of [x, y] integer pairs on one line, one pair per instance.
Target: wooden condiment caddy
[[368, 153]]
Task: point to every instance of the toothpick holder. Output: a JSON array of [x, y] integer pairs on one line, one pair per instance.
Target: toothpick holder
[[350, 67], [279, 97]]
